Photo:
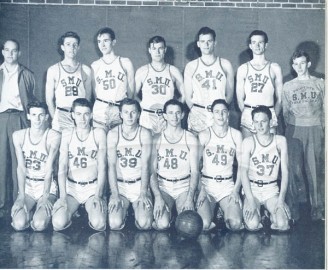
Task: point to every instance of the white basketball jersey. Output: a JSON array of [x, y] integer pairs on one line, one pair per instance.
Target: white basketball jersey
[[128, 166], [173, 158], [259, 87], [157, 88], [35, 155], [70, 86], [208, 83], [82, 158], [264, 161], [110, 80], [219, 154]]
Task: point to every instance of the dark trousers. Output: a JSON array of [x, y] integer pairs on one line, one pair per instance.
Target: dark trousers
[[9, 123]]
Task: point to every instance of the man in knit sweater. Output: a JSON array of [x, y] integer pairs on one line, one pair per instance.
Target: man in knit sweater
[[303, 108]]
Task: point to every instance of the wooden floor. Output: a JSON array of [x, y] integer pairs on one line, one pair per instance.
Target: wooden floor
[[81, 247]]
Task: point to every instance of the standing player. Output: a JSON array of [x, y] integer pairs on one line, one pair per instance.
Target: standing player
[[36, 148], [259, 82], [303, 108], [82, 170], [262, 155], [220, 145], [157, 80], [17, 88], [66, 81], [175, 167], [206, 79], [129, 150], [113, 79]]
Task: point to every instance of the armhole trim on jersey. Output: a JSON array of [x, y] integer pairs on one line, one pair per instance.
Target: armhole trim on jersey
[[222, 67], [254, 140], [59, 69], [94, 137], [209, 139], [278, 150], [234, 142], [72, 136], [169, 68], [139, 131], [269, 64], [247, 69], [120, 61], [26, 132], [46, 138], [118, 133], [185, 133], [143, 82], [196, 67]]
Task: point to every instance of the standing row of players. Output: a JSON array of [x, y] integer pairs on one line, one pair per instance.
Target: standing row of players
[[259, 82], [166, 164]]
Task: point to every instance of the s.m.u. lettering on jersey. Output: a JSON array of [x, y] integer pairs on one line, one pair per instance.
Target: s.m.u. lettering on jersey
[[33, 159], [257, 81], [266, 164]]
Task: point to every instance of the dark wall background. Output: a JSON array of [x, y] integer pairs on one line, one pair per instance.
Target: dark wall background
[[38, 27]]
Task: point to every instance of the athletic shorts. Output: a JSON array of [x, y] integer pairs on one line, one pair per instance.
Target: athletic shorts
[[79, 192], [265, 192], [62, 120], [218, 190], [156, 123], [199, 119], [247, 122], [35, 189], [174, 189], [131, 191], [106, 115]]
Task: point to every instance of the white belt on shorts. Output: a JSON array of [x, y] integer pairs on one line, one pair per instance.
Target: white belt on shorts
[[174, 179], [129, 181], [217, 178], [82, 183], [260, 183]]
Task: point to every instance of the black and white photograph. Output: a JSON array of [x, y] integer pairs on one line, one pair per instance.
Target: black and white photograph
[[163, 134]]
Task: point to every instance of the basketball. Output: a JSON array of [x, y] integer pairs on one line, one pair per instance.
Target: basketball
[[189, 224]]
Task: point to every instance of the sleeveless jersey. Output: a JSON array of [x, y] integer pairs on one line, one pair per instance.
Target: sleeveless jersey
[[128, 152], [219, 154], [70, 86], [173, 158], [259, 87], [157, 88], [264, 161], [35, 155], [82, 158], [208, 82], [110, 79]]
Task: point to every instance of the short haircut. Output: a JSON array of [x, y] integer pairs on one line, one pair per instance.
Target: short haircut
[[172, 102], [67, 35], [12, 40], [219, 101], [83, 102], [130, 101], [37, 104], [206, 31], [262, 109], [106, 30], [300, 53], [258, 33], [156, 39]]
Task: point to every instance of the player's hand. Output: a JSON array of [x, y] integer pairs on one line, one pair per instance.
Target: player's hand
[[60, 203], [250, 209], [201, 198], [115, 202], [188, 205], [98, 203], [159, 207], [18, 205], [44, 202], [145, 200], [234, 197]]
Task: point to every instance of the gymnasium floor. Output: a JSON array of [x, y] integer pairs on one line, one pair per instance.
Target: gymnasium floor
[[80, 247]]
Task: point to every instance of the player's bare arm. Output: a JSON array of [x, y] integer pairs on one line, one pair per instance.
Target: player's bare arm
[[140, 77], [188, 73], [282, 148], [278, 82], [18, 138], [178, 80], [52, 75], [228, 69], [87, 76], [247, 147], [146, 150], [112, 139], [240, 91], [237, 137], [100, 137], [129, 69]]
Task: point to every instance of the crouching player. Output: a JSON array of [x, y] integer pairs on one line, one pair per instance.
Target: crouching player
[[129, 150], [262, 154], [82, 170], [220, 144], [36, 148]]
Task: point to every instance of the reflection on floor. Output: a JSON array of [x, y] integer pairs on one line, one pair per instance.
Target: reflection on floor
[[81, 247]]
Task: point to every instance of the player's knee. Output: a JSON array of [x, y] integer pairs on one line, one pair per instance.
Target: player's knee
[[253, 224], [234, 224], [281, 224], [116, 223], [20, 223], [39, 225], [206, 223], [98, 224], [162, 223], [144, 223], [59, 222]]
